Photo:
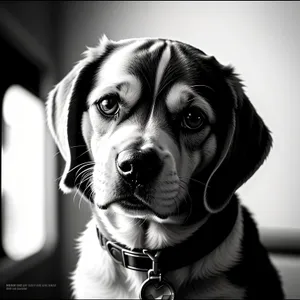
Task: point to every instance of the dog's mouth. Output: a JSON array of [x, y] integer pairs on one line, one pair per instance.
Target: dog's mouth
[[133, 205], [127, 202]]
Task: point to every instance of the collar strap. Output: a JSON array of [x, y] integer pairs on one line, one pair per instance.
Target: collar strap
[[134, 260], [209, 236]]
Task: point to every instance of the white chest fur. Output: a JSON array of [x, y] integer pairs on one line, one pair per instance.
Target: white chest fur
[[97, 276]]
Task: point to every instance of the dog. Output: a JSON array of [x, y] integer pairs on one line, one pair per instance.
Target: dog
[[157, 136]]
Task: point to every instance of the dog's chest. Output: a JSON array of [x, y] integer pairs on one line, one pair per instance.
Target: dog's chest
[[114, 283], [97, 276]]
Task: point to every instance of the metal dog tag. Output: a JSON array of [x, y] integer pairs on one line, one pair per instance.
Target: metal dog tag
[[154, 287]]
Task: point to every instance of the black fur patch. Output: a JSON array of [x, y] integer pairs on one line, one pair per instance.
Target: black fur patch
[[255, 271]]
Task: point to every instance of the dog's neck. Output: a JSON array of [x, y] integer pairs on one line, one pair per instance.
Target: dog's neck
[[143, 234], [139, 234]]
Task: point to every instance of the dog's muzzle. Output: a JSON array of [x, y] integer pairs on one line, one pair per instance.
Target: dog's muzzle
[[139, 166]]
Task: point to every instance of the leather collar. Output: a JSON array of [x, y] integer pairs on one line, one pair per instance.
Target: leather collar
[[208, 237]]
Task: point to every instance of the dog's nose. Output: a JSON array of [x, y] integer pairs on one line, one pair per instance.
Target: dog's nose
[[138, 166]]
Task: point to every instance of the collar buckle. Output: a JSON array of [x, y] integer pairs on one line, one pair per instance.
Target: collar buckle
[[129, 259], [123, 256]]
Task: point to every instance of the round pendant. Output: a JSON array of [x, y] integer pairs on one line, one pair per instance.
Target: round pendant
[[154, 288]]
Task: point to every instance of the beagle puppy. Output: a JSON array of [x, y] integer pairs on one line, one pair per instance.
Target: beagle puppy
[[157, 136]]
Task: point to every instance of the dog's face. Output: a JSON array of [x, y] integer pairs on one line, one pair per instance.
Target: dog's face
[[152, 128], [149, 128]]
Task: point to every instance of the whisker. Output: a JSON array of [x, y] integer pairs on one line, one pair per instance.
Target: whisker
[[140, 224], [83, 193], [84, 172], [87, 151], [77, 146], [55, 154], [87, 187], [86, 177], [85, 164]]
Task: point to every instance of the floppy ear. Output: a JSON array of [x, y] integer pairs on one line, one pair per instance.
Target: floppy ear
[[246, 144], [65, 107]]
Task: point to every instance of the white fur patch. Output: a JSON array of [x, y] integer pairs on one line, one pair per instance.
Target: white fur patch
[[180, 94], [155, 46], [165, 59]]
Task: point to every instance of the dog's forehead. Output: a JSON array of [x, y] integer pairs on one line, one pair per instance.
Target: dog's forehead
[[138, 60], [150, 66]]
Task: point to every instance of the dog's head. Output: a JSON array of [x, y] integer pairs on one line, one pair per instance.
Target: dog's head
[[152, 127]]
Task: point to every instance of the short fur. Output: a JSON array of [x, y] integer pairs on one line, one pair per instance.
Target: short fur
[[190, 173]]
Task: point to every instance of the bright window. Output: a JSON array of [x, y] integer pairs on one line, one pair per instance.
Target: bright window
[[23, 173]]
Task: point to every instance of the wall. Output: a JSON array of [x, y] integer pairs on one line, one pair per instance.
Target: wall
[[41, 21], [37, 18], [260, 38], [28, 26]]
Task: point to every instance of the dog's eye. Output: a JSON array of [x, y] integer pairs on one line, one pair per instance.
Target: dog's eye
[[108, 105], [192, 118]]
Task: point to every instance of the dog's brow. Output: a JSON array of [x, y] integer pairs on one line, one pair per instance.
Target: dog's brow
[[122, 85], [181, 94], [113, 71], [129, 89]]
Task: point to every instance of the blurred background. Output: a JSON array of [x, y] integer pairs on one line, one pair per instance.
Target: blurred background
[[40, 41]]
